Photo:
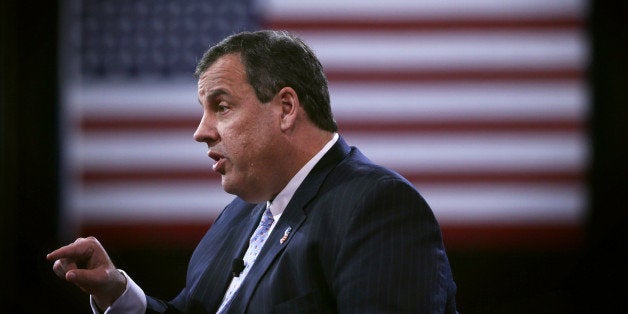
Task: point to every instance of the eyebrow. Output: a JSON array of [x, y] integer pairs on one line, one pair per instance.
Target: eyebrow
[[213, 94]]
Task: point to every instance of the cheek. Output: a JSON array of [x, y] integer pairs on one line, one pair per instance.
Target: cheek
[[245, 145], [249, 141]]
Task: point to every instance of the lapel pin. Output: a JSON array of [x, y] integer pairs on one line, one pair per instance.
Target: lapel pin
[[285, 235]]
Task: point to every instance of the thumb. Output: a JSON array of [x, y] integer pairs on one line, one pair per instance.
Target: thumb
[[86, 278], [105, 284]]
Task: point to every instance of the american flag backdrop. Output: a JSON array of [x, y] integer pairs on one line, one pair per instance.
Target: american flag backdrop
[[482, 105]]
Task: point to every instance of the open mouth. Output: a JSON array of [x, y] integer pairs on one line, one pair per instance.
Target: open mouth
[[219, 165]]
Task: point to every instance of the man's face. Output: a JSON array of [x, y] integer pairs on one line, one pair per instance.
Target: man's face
[[243, 134]]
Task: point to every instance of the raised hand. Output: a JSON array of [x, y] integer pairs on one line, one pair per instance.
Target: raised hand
[[86, 264]]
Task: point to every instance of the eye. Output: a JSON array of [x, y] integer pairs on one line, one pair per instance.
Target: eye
[[222, 107]]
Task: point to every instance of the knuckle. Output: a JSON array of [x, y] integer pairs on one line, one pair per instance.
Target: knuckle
[[86, 241], [91, 240]]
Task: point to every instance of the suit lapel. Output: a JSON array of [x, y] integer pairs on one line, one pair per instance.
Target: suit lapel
[[271, 249], [293, 217], [216, 277]]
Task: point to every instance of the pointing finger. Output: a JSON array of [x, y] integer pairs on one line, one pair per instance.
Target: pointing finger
[[69, 250], [81, 248]]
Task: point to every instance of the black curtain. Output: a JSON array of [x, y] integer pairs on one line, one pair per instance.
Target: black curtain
[[29, 207], [599, 282]]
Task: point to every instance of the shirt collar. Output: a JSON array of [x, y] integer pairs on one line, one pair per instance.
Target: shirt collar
[[280, 202]]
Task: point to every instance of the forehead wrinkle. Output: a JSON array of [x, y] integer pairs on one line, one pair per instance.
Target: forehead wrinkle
[[205, 86], [224, 77], [215, 93]]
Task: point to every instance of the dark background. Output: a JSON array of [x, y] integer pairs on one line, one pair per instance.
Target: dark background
[[591, 279]]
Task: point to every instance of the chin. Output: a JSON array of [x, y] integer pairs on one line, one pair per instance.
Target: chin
[[228, 187], [251, 195], [253, 199], [231, 188]]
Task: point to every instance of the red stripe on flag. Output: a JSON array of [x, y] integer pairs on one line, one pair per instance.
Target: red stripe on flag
[[435, 76], [456, 237], [147, 234], [93, 176], [513, 237], [502, 125], [94, 124]]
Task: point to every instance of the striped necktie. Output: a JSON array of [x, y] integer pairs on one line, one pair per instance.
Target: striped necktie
[[255, 245]]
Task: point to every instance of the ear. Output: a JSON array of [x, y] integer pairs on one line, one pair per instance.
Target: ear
[[290, 107]]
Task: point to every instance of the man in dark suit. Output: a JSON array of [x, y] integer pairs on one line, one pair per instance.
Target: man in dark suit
[[315, 228]]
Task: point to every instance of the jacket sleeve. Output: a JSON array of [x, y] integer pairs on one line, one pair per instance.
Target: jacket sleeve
[[154, 305], [392, 258]]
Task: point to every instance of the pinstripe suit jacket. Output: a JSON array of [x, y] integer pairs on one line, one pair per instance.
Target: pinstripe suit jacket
[[363, 241]]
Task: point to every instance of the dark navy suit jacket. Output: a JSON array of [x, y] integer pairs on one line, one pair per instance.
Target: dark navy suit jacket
[[362, 240]]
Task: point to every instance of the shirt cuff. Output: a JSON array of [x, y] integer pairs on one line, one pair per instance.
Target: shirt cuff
[[132, 300]]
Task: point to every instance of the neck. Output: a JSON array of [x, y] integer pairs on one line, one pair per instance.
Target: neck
[[306, 149], [298, 151]]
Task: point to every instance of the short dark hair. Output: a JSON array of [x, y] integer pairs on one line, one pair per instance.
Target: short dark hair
[[274, 60]]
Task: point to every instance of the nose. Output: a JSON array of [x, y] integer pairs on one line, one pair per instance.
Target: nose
[[206, 132]]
